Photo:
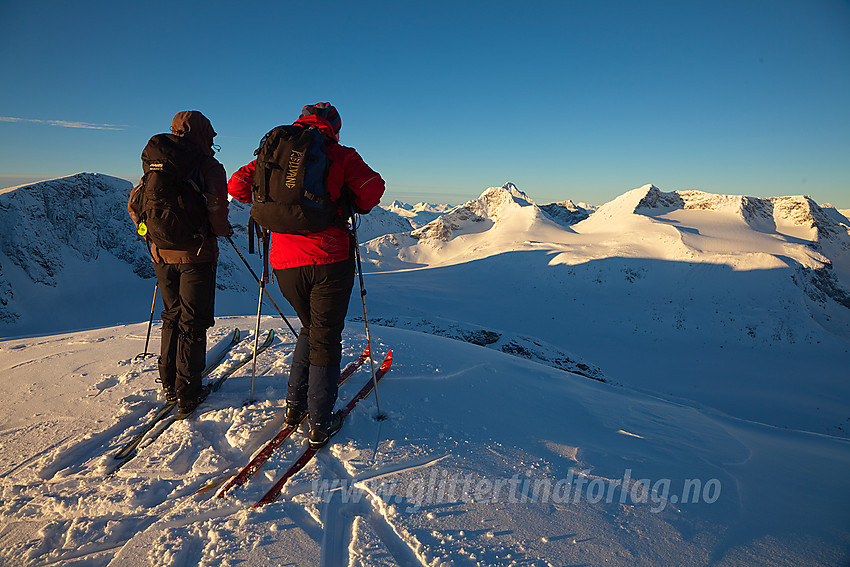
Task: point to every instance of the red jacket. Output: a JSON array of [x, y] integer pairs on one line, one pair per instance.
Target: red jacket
[[332, 244]]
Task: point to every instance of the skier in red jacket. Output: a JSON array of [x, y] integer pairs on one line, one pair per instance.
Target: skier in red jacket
[[315, 272]]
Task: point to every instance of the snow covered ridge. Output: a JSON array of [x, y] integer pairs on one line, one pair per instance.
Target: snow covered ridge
[[381, 221], [760, 214], [80, 212], [504, 219], [65, 241], [46, 224], [419, 214], [796, 218]]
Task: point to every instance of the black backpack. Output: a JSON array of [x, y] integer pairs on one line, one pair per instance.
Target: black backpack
[[169, 205], [290, 182]]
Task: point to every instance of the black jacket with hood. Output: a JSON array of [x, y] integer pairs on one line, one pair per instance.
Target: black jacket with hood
[[194, 126]]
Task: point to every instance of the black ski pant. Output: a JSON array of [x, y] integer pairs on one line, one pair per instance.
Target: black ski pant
[[188, 299], [319, 294]]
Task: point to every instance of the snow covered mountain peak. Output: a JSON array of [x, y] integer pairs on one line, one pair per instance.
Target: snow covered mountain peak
[[624, 205], [52, 225], [798, 214], [505, 204], [494, 205], [496, 198], [501, 219], [396, 204], [793, 216]]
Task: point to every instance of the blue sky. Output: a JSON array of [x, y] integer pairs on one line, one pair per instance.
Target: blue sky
[[568, 100]]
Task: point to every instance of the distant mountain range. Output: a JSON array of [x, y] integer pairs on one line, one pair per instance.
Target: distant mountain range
[[71, 237]]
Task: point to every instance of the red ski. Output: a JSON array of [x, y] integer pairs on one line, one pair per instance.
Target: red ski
[[310, 452], [260, 458]]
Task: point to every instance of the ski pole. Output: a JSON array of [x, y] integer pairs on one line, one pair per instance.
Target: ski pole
[[247, 265], [150, 324], [256, 342], [381, 416], [262, 281]]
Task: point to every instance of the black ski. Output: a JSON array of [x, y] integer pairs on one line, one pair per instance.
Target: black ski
[[166, 410]]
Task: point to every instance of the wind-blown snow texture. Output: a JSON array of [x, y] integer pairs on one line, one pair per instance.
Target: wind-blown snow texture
[[661, 381]]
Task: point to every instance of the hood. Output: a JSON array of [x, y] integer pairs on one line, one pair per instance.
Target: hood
[[193, 125], [320, 123]]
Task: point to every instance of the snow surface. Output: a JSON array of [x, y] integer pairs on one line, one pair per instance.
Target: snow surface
[[662, 383]]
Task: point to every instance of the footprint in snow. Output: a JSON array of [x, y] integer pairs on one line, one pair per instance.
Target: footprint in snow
[[106, 381]]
